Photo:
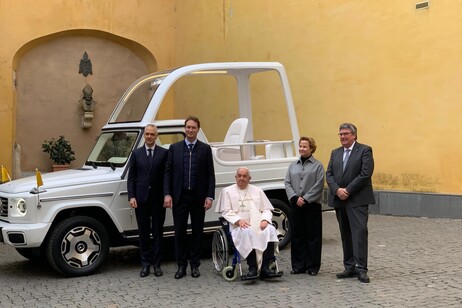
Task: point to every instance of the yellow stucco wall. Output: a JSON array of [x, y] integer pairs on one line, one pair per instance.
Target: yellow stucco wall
[[392, 70], [147, 23]]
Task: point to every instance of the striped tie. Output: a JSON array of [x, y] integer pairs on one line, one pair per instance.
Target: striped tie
[[345, 159]]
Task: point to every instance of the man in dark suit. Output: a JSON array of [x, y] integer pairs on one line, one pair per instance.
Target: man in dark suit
[[189, 190], [145, 195], [349, 178]]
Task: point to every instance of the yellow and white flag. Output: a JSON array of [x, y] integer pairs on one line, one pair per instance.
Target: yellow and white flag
[[38, 177], [5, 175]]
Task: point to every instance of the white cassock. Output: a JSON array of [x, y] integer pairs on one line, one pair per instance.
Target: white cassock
[[251, 205]]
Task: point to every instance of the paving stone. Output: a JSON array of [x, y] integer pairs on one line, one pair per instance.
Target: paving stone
[[413, 262]]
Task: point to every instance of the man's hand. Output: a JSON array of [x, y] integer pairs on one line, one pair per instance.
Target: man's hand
[[300, 202], [168, 202], [133, 203], [263, 224], [242, 224], [342, 193], [207, 203]]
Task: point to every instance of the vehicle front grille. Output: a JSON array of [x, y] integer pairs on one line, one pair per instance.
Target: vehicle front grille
[[4, 207]]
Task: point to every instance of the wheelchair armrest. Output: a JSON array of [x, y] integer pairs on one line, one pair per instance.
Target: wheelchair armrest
[[224, 224], [223, 221]]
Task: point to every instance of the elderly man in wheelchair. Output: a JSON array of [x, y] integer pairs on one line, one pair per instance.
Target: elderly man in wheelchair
[[247, 212]]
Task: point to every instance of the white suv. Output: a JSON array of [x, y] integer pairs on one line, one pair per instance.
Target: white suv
[[76, 215]]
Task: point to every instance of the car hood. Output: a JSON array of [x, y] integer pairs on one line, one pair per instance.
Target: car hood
[[85, 175]]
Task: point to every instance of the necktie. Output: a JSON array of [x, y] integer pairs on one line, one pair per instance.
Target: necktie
[[149, 157], [345, 159], [190, 164]]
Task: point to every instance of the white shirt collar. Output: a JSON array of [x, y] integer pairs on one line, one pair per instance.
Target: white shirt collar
[[350, 148], [188, 143]]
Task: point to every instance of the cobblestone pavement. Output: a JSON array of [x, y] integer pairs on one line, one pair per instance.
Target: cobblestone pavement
[[413, 262]]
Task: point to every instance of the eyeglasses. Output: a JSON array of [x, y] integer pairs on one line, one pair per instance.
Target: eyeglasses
[[344, 134]]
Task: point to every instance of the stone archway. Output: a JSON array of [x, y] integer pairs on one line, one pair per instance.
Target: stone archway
[[49, 88]]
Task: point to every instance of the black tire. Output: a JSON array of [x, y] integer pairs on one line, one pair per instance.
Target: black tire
[[281, 221], [220, 250], [33, 254], [77, 246]]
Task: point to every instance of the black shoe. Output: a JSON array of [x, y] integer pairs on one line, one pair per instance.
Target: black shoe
[[267, 273], [296, 272], [252, 274], [181, 272], [312, 273], [195, 272], [348, 273], [144, 271], [362, 276], [158, 271]]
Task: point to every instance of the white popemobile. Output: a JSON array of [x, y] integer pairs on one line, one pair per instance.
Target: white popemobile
[[73, 219]]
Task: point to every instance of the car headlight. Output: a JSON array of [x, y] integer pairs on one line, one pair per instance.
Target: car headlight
[[21, 207]]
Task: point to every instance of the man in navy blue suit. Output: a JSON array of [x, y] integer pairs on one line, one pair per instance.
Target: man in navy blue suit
[[145, 194], [189, 190], [349, 176]]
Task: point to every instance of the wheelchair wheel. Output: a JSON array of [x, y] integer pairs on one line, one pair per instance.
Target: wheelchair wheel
[[229, 273], [220, 252]]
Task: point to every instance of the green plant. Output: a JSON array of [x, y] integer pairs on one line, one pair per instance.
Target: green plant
[[60, 150]]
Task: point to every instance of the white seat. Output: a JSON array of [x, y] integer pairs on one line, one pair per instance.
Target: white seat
[[236, 134], [274, 151], [236, 131], [289, 150]]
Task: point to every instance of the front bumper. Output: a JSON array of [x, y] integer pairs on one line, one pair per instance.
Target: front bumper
[[23, 235]]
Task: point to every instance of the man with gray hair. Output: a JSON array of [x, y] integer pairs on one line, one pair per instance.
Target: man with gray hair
[[145, 194], [248, 211], [349, 176]]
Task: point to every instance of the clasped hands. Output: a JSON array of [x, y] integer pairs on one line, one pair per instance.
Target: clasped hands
[[300, 201], [342, 193], [244, 224]]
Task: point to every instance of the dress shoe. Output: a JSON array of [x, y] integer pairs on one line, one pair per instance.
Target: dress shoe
[[296, 272], [144, 271], [362, 276], [180, 273], [195, 272], [348, 273], [252, 274], [158, 271], [266, 273], [312, 273]]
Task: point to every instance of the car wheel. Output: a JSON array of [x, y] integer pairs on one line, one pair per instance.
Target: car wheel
[[78, 246], [281, 221]]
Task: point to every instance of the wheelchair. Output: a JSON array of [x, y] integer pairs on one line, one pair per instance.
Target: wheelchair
[[226, 258]]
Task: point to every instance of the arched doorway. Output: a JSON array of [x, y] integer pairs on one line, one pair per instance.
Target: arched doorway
[[49, 90]]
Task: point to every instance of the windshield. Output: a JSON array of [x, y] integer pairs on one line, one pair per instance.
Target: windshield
[[137, 98], [112, 149]]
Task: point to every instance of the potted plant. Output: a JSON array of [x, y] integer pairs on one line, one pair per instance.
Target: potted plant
[[60, 152]]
